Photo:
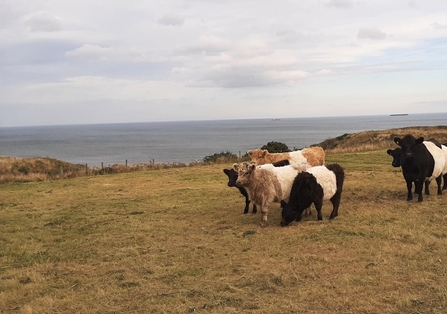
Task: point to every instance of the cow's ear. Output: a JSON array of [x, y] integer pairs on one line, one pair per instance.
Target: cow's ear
[[420, 140], [235, 167], [250, 153], [398, 141], [264, 152], [389, 152], [226, 171], [252, 166]]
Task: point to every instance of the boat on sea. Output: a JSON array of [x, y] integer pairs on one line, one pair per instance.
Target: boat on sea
[[276, 119], [398, 114]]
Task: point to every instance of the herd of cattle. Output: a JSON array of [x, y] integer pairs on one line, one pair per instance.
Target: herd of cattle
[[296, 179], [300, 178]]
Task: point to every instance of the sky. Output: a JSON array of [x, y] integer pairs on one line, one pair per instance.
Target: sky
[[115, 61]]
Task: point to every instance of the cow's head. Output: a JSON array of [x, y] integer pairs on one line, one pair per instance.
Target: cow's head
[[232, 176], [396, 154], [408, 144], [258, 155], [244, 173], [287, 213]]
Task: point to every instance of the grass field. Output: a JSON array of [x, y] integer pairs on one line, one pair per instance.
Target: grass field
[[175, 240]]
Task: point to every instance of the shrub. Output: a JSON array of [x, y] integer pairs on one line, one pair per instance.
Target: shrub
[[276, 147], [222, 156]]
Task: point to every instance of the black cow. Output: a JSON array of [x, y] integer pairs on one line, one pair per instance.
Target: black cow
[[417, 165], [232, 177], [396, 154]]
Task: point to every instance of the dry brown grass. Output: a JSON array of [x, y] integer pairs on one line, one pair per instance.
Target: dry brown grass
[[174, 240], [374, 140]]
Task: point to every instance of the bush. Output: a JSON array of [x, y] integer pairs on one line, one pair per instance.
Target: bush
[[222, 156], [276, 147]]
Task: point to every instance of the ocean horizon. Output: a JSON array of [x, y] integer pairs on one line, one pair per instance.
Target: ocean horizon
[[188, 141]]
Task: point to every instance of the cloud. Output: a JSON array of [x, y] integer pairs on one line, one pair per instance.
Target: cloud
[[43, 22], [340, 4], [211, 45], [171, 20], [439, 26], [89, 51], [371, 33], [92, 52]]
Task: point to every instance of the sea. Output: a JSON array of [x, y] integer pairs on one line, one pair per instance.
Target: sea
[[188, 141]]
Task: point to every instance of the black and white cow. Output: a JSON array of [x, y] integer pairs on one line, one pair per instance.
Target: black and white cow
[[421, 161], [313, 186]]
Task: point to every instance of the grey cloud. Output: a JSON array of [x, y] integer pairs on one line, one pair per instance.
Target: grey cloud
[[171, 20], [439, 26], [43, 22], [90, 51], [210, 45], [342, 4], [371, 33]]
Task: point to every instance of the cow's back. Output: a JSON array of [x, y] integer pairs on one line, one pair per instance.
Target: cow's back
[[326, 178], [315, 155], [439, 159]]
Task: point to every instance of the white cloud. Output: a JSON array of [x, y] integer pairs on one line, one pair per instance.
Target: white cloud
[[43, 22], [91, 52], [371, 33], [344, 4], [211, 45], [171, 20]]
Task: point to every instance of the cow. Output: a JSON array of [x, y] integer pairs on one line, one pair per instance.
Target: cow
[[265, 184], [420, 161], [311, 156], [232, 177], [396, 154], [313, 186], [444, 172]]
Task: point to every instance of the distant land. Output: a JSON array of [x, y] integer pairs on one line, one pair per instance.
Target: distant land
[[398, 114]]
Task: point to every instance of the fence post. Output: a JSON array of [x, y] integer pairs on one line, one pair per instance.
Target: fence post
[[61, 170], [240, 155], [86, 169], [102, 165]]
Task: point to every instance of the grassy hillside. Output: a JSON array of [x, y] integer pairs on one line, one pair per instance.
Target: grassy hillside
[[174, 240], [372, 140]]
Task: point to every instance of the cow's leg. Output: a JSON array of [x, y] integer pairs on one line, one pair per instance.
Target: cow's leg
[[299, 216], [427, 187], [254, 210], [444, 187], [265, 212], [409, 187], [335, 200], [439, 182], [318, 205], [247, 205], [308, 211], [419, 185]]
